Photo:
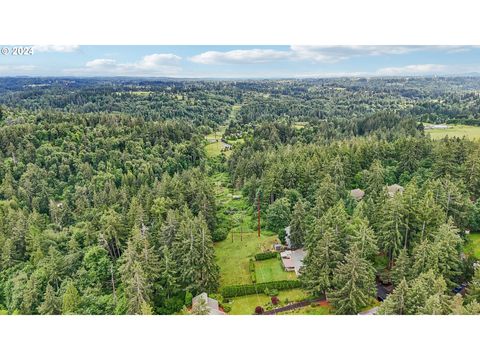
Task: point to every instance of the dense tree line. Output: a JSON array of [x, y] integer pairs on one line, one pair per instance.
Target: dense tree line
[[418, 227], [103, 214], [106, 205]]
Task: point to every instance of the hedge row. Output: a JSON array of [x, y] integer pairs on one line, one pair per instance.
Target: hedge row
[[265, 255], [241, 290], [251, 267]]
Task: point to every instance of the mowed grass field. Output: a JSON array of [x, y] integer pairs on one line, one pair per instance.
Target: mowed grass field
[[272, 270], [214, 149], [473, 246], [233, 256], [470, 132], [245, 305]]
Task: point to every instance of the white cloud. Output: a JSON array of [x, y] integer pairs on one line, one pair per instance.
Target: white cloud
[[250, 56], [16, 69], [56, 48], [317, 54], [149, 65], [419, 69]]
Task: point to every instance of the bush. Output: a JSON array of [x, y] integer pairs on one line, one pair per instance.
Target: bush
[[219, 234], [275, 300], [188, 298], [265, 255], [270, 292], [251, 268], [227, 308], [241, 290], [259, 310], [217, 297]]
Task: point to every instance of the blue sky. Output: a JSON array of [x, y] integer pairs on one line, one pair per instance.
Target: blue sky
[[241, 61]]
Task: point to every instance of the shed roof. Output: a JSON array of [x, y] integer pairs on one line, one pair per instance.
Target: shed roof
[[357, 194]]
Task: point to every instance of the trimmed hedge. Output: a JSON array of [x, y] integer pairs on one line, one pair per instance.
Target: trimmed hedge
[[241, 290], [251, 267], [266, 255]]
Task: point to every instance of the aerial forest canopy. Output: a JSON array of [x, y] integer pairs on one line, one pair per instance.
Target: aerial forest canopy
[[109, 200]]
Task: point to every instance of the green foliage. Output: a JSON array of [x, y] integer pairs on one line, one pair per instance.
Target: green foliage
[[266, 255], [251, 268], [354, 283], [241, 290]]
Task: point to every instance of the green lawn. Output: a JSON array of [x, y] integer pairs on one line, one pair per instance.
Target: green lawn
[[272, 270], [471, 132], [309, 310], [214, 149], [233, 256], [473, 246], [245, 305], [300, 124]]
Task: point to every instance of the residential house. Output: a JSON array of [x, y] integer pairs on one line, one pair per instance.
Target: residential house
[[211, 304]]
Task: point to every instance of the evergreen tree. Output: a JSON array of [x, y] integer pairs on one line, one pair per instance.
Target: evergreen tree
[[354, 283], [71, 299], [396, 302], [473, 289], [402, 268], [362, 234], [138, 270], [298, 226], [278, 215], [392, 228], [320, 264], [50, 304]]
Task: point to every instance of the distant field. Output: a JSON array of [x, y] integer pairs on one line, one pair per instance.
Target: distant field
[[300, 124], [471, 132]]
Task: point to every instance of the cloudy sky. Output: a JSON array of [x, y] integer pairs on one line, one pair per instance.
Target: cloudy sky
[[241, 61]]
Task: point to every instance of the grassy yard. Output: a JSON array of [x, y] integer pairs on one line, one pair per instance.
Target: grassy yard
[[471, 132], [272, 270], [473, 246], [233, 256], [309, 310], [214, 149], [245, 305]]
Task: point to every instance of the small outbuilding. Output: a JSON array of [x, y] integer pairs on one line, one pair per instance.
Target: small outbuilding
[[211, 305], [357, 194], [394, 189]]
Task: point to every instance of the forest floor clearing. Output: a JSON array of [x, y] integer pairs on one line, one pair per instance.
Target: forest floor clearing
[[470, 132]]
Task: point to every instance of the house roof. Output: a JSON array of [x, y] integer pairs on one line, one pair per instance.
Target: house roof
[[357, 194], [212, 304], [393, 189], [288, 263]]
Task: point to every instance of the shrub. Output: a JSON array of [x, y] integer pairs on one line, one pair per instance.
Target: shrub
[[241, 290], [227, 308], [251, 268], [265, 255], [218, 297], [219, 234], [259, 310], [275, 300], [188, 298], [270, 292]]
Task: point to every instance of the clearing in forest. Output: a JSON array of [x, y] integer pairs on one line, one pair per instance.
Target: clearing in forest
[[470, 132]]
